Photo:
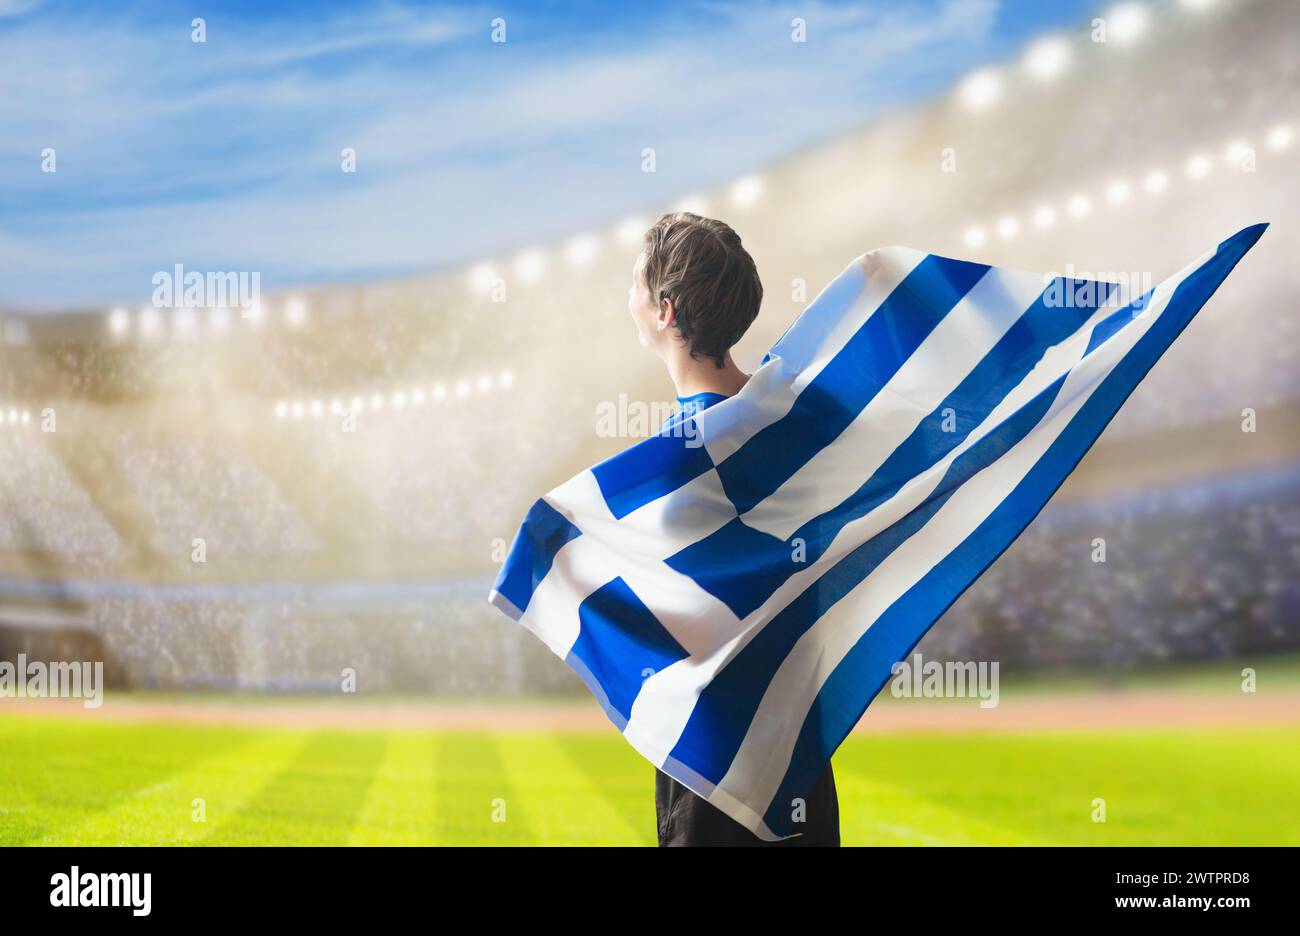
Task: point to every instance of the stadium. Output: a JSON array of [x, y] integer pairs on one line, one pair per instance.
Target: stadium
[[237, 509]]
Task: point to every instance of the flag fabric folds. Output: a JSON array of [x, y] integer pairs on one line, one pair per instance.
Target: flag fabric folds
[[735, 590]]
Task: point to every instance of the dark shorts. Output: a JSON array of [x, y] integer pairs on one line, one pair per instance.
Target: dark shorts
[[687, 819]]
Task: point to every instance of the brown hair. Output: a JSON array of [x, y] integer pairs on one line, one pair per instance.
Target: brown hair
[[711, 279]]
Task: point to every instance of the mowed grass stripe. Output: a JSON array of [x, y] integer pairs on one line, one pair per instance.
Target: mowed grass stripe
[[1220, 787], [620, 775], [399, 809], [56, 773], [475, 802], [1191, 787], [875, 813], [166, 813], [565, 806], [315, 799]]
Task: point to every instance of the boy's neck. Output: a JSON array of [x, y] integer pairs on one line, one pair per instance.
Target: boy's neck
[[702, 375]]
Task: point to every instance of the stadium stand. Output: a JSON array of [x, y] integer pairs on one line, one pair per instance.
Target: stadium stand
[[356, 458]]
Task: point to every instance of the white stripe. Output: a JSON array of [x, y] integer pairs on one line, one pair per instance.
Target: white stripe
[[667, 525], [580, 567], [811, 343], [633, 548], [942, 361]]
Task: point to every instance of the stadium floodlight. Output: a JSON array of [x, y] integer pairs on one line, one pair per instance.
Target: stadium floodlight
[[27, 417], [631, 232], [254, 312], [1236, 153], [1044, 216], [530, 265], [1047, 58], [581, 250], [1080, 206], [358, 405], [981, 89], [1127, 22], [975, 237], [417, 396], [119, 320], [399, 400], [1280, 137], [281, 410], [506, 379], [297, 409], [317, 409], [183, 322], [13, 417], [377, 401], [484, 383], [462, 388], [1008, 227], [149, 321], [1155, 182], [439, 392], [481, 277], [295, 312], [1198, 167], [746, 191], [336, 406], [1117, 192], [694, 204]]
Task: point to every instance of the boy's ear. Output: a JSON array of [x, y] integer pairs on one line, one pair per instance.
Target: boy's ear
[[667, 316]]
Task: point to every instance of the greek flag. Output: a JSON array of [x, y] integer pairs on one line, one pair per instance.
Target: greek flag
[[735, 590]]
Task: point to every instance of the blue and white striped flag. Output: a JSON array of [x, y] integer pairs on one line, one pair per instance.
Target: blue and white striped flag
[[735, 590]]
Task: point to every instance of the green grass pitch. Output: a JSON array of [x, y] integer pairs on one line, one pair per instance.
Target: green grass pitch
[[85, 781]]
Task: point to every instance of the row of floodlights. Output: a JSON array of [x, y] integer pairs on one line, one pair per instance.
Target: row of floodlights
[[580, 252], [150, 321], [396, 401], [1121, 191]]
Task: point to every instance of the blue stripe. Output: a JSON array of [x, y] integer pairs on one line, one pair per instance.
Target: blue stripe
[[866, 668], [769, 561], [849, 381], [621, 644], [653, 467], [726, 707], [1113, 323], [544, 531]]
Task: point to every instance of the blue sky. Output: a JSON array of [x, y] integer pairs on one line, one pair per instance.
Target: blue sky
[[225, 155]]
